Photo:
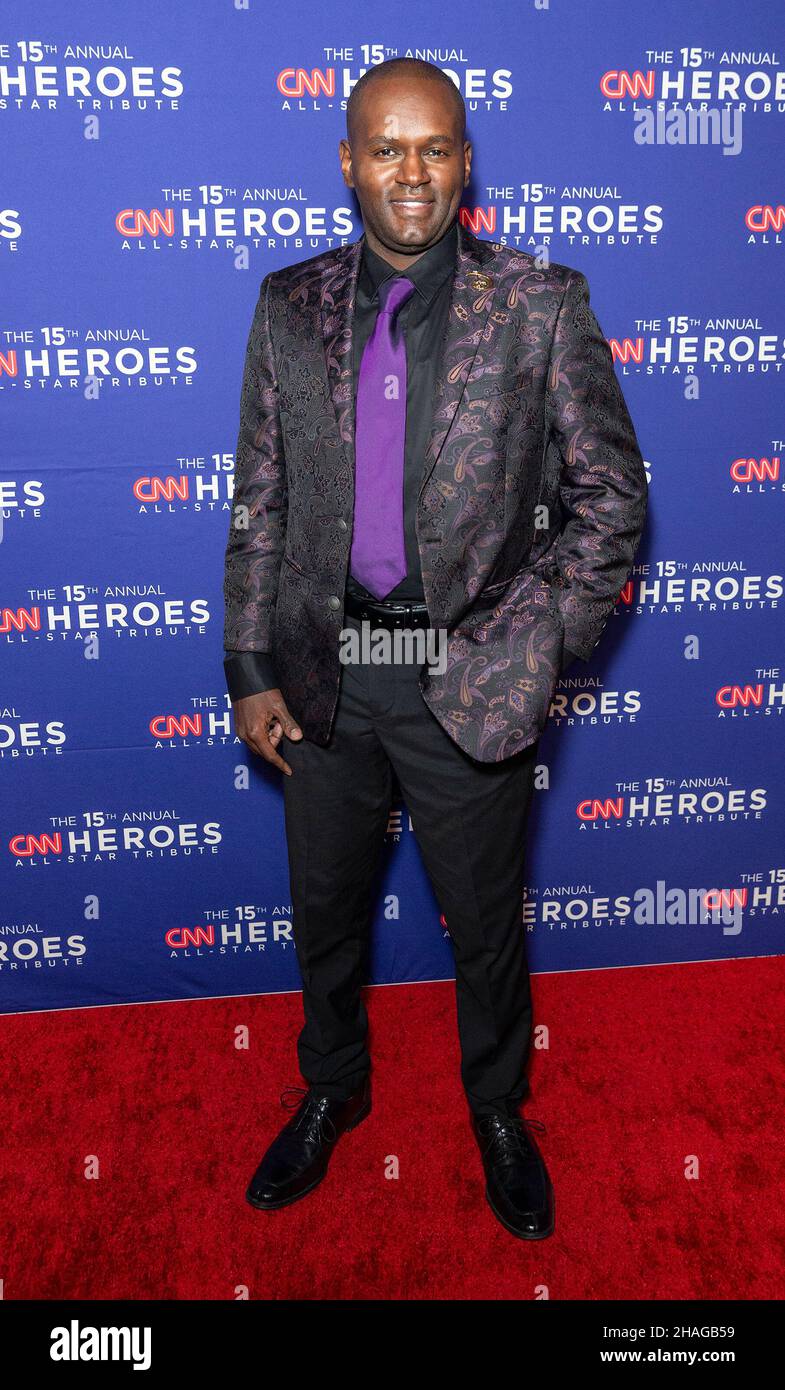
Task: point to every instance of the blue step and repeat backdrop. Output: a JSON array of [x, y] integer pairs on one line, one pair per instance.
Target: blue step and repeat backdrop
[[158, 161]]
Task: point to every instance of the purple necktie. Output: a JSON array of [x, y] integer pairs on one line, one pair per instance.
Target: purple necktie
[[378, 554]]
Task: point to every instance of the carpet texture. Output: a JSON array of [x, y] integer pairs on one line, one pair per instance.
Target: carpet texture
[[660, 1088]]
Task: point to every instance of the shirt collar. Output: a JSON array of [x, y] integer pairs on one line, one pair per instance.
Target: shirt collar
[[426, 273]]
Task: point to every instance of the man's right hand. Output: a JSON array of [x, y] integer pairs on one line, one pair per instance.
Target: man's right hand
[[261, 721]]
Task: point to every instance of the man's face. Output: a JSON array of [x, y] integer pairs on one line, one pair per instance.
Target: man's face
[[408, 165]]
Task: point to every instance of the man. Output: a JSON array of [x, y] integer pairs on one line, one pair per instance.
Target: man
[[432, 437]]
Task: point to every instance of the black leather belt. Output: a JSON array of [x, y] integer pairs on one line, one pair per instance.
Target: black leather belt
[[379, 613]]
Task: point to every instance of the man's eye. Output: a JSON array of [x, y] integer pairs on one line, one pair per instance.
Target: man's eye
[[387, 148]]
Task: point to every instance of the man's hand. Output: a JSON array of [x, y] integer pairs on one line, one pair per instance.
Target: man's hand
[[261, 721]]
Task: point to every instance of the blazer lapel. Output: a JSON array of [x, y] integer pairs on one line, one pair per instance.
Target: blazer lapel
[[470, 327], [336, 307]]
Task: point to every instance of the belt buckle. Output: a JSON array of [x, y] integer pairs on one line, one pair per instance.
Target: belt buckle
[[388, 615], [400, 611], [367, 615]]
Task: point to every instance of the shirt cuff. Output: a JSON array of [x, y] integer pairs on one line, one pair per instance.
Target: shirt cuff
[[249, 673]]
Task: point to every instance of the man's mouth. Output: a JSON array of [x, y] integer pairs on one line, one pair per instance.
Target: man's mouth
[[413, 202]]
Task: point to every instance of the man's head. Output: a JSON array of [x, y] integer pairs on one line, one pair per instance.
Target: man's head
[[406, 155]]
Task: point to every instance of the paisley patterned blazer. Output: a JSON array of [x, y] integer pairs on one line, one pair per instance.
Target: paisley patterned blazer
[[530, 510]]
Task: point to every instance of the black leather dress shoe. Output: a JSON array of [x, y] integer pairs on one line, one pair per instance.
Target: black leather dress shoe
[[518, 1188], [297, 1159]]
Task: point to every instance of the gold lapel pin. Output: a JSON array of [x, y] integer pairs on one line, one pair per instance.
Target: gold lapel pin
[[479, 281]]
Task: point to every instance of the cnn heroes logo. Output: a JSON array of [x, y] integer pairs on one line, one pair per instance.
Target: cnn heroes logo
[[29, 736]]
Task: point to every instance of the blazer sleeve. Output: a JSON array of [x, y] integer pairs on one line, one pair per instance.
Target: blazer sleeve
[[257, 526], [249, 673], [602, 485]]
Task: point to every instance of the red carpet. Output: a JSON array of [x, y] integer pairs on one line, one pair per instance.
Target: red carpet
[[646, 1069]]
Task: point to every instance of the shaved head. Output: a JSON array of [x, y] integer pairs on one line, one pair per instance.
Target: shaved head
[[414, 69]]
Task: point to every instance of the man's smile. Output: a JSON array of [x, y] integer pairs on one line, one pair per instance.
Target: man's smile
[[412, 204]]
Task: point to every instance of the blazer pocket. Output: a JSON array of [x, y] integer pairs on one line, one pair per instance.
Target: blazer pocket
[[498, 386], [508, 390], [298, 569]]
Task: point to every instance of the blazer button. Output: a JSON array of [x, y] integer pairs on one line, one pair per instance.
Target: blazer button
[[342, 526], [334, 601]]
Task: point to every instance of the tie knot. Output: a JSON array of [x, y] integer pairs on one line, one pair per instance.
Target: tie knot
[[393, 293]]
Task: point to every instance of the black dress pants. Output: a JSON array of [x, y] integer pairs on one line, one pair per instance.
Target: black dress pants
[[469, 820]]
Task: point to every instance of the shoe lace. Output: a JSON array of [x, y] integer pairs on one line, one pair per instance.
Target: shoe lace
[[509, 1135], [313, 1116]]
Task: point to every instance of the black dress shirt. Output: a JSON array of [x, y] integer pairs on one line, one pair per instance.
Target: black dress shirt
[[423, 322]]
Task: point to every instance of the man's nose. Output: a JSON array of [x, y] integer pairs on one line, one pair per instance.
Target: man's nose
[[413, 170]]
